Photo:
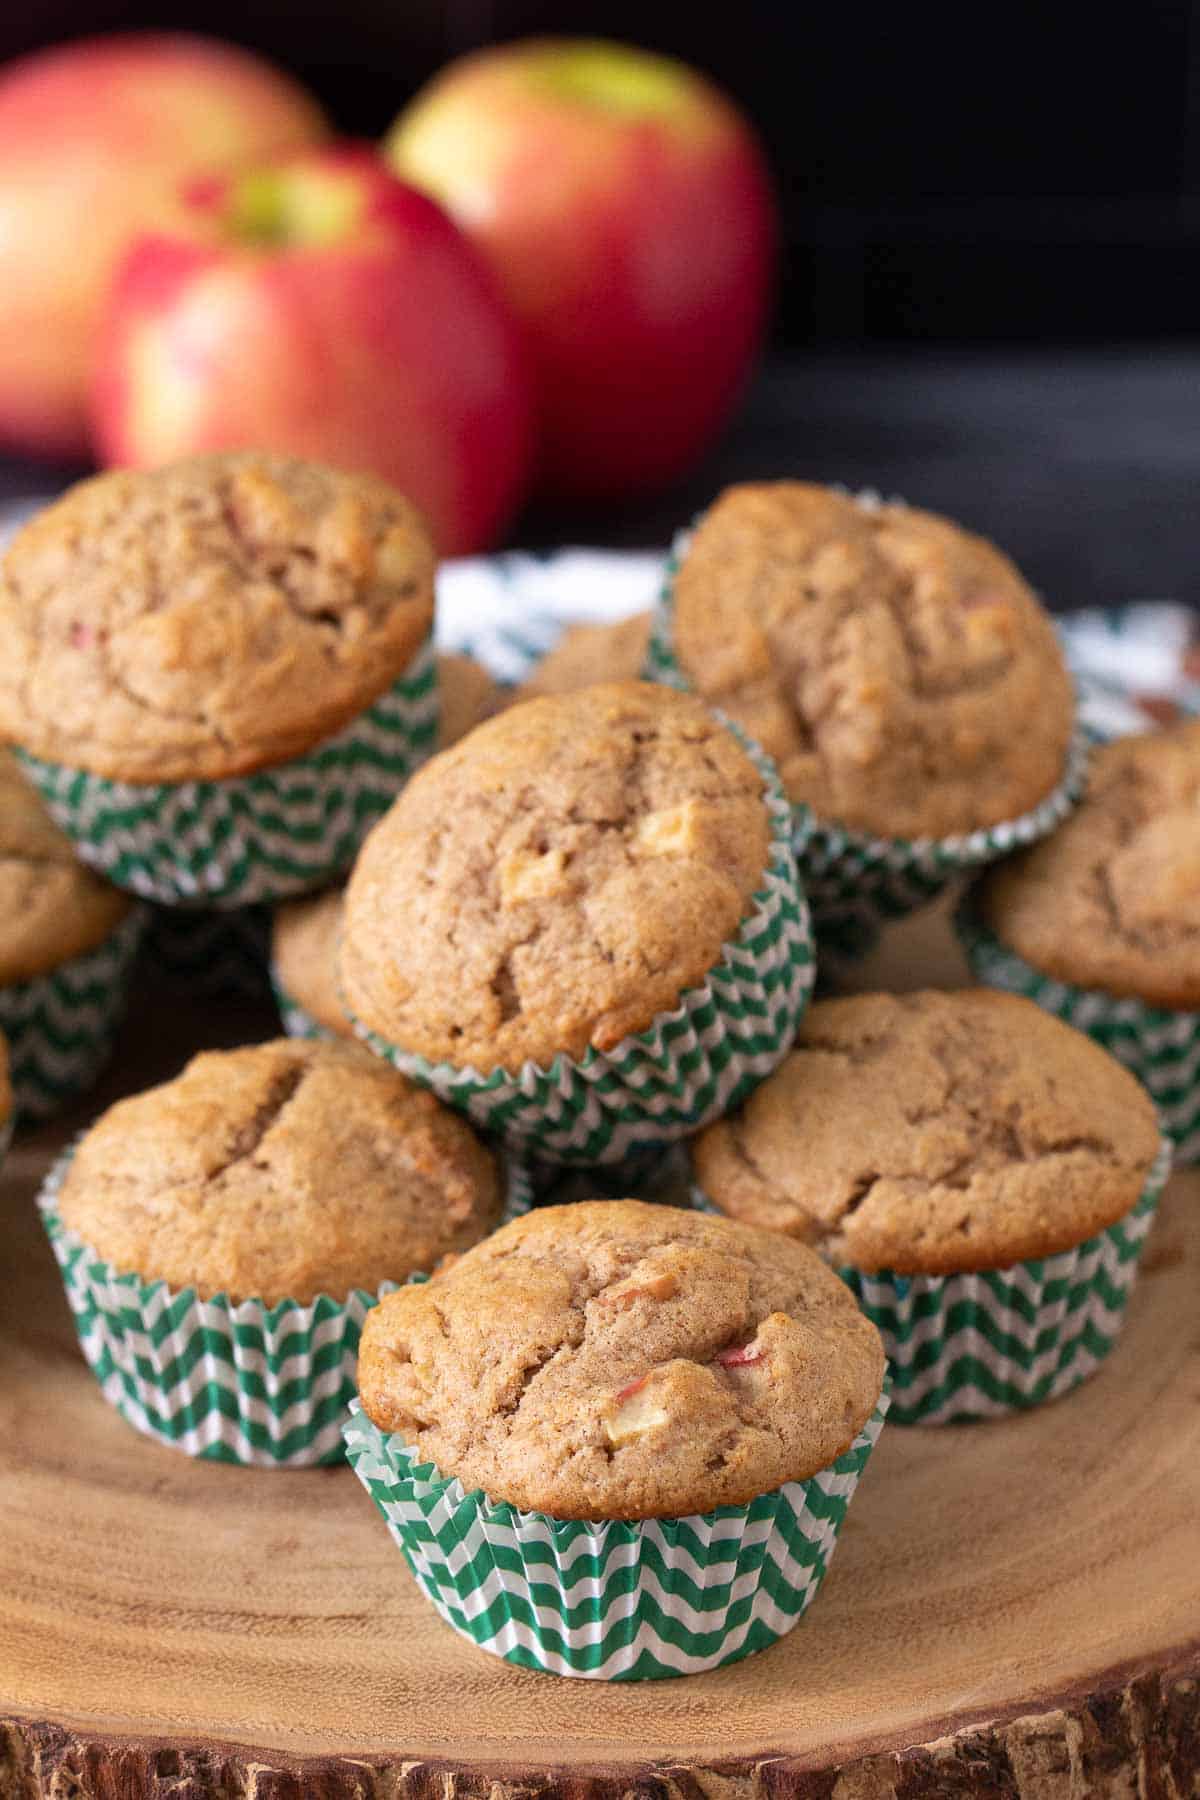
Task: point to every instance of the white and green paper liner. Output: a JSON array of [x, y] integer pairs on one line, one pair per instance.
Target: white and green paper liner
[[617, 1600], [856, 882], [205, 953], [1161, 1047], [979, 1346], [226, 1381], [691, 1065], [263, 836], [61, 1026]]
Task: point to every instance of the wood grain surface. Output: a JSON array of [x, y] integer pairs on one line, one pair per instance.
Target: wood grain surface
[[1014, 1608]]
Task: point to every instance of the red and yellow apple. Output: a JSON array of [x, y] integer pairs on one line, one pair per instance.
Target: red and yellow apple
[[95, 138], [319, 306], [626, 209]]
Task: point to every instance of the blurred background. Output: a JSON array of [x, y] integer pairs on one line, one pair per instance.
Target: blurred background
[[989, 283]]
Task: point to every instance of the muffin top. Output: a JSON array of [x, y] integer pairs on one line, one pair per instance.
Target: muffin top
[[618, 1360], [51, 906], [898, 669], [208, 618], [1112, 900], [304, 952], [467, 694], [556, 880], [586, 654], [280, 1171], [932, 1133]]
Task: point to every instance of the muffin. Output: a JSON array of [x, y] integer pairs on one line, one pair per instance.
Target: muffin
[[304, 966], [223, 1235], [688, 1385], [582, 923], [1101, 924], [467, 694], [67, 945], [963, 1159], [219, 671], [587, 654], [881, 656], [305, 933]]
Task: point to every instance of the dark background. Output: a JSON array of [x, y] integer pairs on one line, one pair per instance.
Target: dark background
[[990, 296], [961, 174]]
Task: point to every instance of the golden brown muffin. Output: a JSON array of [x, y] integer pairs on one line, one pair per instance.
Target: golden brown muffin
[[216, 616], [467, 695], [932, 1133], [586, 654], [304, 951], [52, 907], [280, 1171], [1112, 900], [556, 880], [898, 669], [618, 1360]]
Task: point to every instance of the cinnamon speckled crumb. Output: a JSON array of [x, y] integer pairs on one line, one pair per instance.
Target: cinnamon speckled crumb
[[931, 1132], [613, 1359], [898, 669]]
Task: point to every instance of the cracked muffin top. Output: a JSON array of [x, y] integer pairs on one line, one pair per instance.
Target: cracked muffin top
[[1112, 900], [933, 1133], [619, 1360], [280, 1171], [52, 907], [586, 654], [209, 618], [898, 669], [556, 880]]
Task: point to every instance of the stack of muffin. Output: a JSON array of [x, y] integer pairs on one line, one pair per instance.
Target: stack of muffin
[[611, 1437]]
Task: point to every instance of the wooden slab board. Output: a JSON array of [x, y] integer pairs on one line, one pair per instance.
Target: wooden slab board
[[1014, 1608]]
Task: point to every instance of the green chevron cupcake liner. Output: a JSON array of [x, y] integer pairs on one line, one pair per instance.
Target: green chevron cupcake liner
[[982, 1345], [61, 1026], [201, 953], [1159, 1046], [618, 1600], [856, 883], [235, 1382], [252, 837], [691, 1065]]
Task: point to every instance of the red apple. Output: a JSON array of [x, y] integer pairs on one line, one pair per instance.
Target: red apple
[[625, 206], [95, 138], [320, 306]]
